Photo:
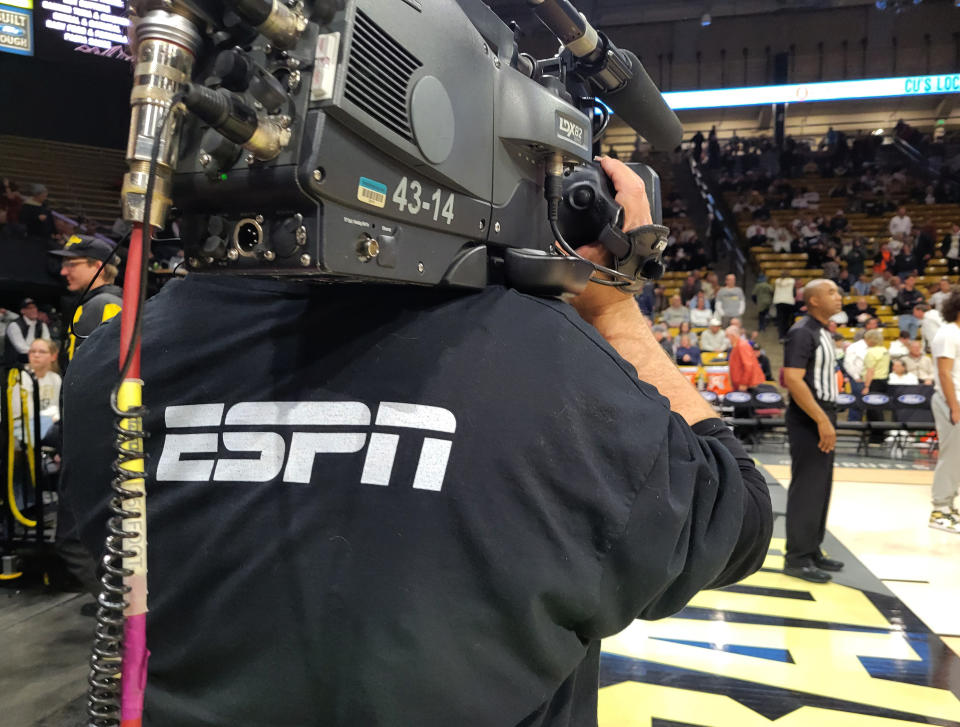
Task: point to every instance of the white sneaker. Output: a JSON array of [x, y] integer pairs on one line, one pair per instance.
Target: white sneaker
[[947, 520]]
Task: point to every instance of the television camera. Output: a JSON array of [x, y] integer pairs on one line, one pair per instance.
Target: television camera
[[406, 141]]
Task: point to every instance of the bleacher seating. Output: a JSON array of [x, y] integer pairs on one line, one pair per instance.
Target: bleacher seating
[[81, 180]]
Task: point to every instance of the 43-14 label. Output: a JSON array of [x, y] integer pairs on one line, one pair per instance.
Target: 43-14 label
[[408, 196]]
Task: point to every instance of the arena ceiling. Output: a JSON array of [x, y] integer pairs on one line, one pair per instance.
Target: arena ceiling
[[627, 12]]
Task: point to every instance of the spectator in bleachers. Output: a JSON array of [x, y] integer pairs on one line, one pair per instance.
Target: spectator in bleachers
[[845, 282], [645, 299], [915, 320], [838, 319], [926, 244], [943, 292], [830, 264], [686, 329], [21, 332], [662, 336], [80, 260], [713, 149], [35, 216], [784, 301], [919, 364], [660, 300], [677, 313], [862, 286], [853, 367], [904, 302], [900, 223], [879, 283], [687, 353], [838, 222], [929, 325], [782, 240], [697, 141], [754, 338], [876, 371], [10, 203], [899, 376], [763, 297], [690, 288], [43, 364], [745, 370], [6, 318], [856, 258], [859, 311], [709, 287], [701, 313], [950, 248], [900, 346], [714, 339], [946, 413], [894, 245], [730, 301], [757, 233], [906, 264]]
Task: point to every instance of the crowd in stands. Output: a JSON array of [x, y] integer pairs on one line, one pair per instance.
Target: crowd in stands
[[702, 324], [26, 212], [890, 241]]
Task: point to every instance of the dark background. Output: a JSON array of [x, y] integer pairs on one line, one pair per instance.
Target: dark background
[[64, 95]]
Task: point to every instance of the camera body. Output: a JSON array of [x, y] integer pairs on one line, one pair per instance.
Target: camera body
[[401, 142]]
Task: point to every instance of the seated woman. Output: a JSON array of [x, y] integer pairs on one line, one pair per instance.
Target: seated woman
[[900, 375], [687, 353], [700, 311], [687, 330]]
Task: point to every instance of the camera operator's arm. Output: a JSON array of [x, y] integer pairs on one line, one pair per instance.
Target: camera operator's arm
[[620, 321], [704, 482]]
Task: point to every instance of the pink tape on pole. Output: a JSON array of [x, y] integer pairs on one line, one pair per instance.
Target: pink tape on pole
[[134, 675]]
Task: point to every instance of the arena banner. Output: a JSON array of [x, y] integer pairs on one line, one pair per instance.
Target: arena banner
[[16, 27], [947, 83]]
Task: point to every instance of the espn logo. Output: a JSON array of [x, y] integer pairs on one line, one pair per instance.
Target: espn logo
[[570, 130], [293, 463]]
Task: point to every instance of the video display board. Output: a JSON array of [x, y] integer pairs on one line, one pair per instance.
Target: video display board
[[16, 27], [96, 27]]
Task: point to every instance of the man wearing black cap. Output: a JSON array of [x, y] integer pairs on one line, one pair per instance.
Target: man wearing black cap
[[82, 257], [22, 332]]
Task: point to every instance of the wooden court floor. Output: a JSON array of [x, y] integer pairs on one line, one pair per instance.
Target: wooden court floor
[[775, 650]]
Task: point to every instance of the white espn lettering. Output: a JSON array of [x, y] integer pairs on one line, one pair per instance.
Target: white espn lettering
[[304, 446]]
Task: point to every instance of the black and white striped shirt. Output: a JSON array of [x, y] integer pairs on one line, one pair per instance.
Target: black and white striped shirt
[[810, 347]]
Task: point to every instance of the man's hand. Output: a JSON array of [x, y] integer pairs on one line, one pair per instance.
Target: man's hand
[[828, 436], [955, 414], [602, 300]]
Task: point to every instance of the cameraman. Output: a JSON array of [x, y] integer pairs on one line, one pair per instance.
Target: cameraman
[[477, 489]]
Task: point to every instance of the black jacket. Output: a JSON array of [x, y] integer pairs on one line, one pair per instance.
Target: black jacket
[[98, 306], [473, 490]]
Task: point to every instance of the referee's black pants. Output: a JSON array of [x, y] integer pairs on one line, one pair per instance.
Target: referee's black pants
[[811, 480]]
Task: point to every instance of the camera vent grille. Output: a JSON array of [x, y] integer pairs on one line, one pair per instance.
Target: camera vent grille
[[379, 76]]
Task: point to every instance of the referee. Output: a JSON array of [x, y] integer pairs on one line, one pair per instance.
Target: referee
[[809, 371]]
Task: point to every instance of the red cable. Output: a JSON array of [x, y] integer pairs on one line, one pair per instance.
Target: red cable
[[135, 654], [131, 299]]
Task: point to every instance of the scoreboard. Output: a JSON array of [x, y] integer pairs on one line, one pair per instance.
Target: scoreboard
[[56, 29]]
